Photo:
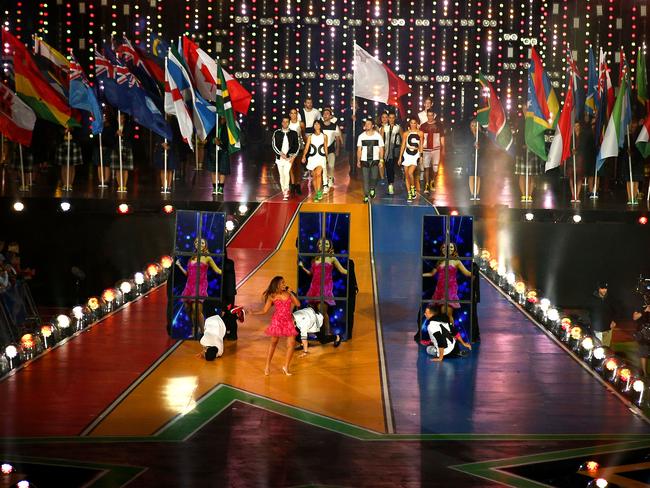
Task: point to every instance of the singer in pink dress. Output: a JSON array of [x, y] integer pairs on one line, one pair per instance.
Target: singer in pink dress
[[320, 268], [279, 296], [198, 263], [447, 272]]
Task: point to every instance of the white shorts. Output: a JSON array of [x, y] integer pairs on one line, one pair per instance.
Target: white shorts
[[431, 159], [313, 163]]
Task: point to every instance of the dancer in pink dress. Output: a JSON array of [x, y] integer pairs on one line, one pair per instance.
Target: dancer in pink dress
[[448, 271], [199, 263], [318, 269], [282, 298]]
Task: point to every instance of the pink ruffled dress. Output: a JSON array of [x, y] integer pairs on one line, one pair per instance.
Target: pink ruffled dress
[[452, 286], [190, 285], [314, 287], [282, 320]]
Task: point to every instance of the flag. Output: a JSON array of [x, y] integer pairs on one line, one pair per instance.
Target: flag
[[642, 80], [643, 141], [175, 102], [203, 114], [203, 70], [561, 146], [542, 107], [130, 56], [153, 67], [615, 128], [116, 95], [626, 111], [593, 99], [373, 80], [159, 47], [17, 120], [225, 109], [83, 97], [54, 66], [578, 89], [32, 87], [493, 116]]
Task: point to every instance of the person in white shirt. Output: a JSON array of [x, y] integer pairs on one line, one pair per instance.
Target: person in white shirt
[[370, 155], [285, 146], [410, 155], [392, 134], [315, 155], [214, 331], [335, 142], [296, 173], [428, 105], [307, 116]]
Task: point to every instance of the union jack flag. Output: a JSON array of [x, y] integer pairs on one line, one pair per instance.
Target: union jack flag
[[76, 71], [573, 67], [103, 67], [127, 53], [124, 76]]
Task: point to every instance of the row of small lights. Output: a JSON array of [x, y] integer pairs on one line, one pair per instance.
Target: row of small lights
[[125, 208], [601, 359], [81, 316], [577, 218]]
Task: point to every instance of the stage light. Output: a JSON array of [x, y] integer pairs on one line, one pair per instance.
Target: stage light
[[643, 220], [19, 206], [6, 469], [599, 353], [230, 225], [587, 343], [46, 331], [577, 219], [511, 278], [168, 209], [485, 254], [590, 466], [27, 341], [453, 213], [125, 287], [166, 262], [494, 264], [23, 484], [576, 333], [11, 351], [243, 209], [625, 374], [63, 321], [638, 386], [93, 304], [138, 278], [599, 483], [65, 206], [123, 208], [544, 304], [78, 312], [109, 295], [551, 314], [520, 287], [529, 216], [152, 270]]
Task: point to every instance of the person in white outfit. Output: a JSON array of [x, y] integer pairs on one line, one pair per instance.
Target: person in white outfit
[[214, 331], [296, 172], [410, 154], [315, 155], [335, 140], [285, 145]]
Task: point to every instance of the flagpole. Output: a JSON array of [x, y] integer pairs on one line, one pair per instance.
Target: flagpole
[[353, 163], [119, 143], [575, 176], [629, 162], [476, 162], [196, 151], [101, 163], [67, 162], [526, 173], [165, 167], [216, 134], [594, 195], [22, 168]]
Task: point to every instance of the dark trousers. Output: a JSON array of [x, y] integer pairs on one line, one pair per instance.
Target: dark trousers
[[390, 170]]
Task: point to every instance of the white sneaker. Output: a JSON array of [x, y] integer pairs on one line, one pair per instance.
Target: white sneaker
[[285, 196], [331, 183], [390, 189], [326, 190]]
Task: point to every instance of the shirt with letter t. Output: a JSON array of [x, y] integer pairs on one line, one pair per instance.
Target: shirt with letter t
[[370, 145]]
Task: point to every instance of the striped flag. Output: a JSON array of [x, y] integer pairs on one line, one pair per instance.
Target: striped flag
[[17, 120], [83, 97], [615, 128], [493, 116], [643, 141], [174, 100], [593, 100], [642, 80], [224, 109], [54, 65], [542, 107], [560, 148]]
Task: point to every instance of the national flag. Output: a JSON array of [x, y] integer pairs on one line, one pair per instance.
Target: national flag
[[542, 108], [642, 80], [159, 47], [225, 109], [203, 114], [578, 89], [626, 111], [105, 73], [17, 120], [175, 101], [373, 80], [643, 141], [493, 116], [560, 148], [240, 97], [593, 98], [149, 78], [153, 67], [615, 128], [83, 97], [32, 87], [606, 85], [54, 66]]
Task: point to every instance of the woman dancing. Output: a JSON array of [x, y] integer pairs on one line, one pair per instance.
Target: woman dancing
[[411, 152], [198, 263], [326, 268], [315, 155], [448, 272], [280, 296]]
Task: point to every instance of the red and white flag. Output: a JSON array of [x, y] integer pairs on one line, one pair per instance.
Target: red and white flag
[[203, 70], [560, 148], [375, 81], [17, 119]]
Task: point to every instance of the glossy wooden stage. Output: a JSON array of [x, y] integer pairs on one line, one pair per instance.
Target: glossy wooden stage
[[101, 411]]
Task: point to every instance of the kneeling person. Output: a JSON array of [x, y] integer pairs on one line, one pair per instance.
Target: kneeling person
[[308, 321], [212, 340], [444, 336]]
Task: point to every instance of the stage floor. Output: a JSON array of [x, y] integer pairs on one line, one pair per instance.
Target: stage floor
[[121, 405]]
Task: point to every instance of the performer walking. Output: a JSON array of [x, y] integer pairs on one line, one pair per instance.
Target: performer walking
[[335, 141], [296, 125], [282, 298], [307, 116], [370, 154], [285, 145], [315, 155], [410, 154], [392, 134], [432, 148]]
